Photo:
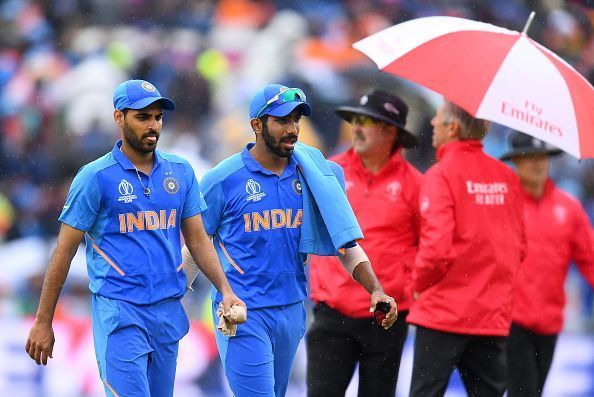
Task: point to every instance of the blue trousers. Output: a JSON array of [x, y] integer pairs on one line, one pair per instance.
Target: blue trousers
[[136, 345], [258, 360]]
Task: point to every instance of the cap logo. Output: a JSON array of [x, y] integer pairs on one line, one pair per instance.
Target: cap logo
[[537, 143], [391, 108], [364, 99], [148, 86]]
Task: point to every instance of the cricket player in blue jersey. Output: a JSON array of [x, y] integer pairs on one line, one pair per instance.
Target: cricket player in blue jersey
[[255, 215], [131, 206]]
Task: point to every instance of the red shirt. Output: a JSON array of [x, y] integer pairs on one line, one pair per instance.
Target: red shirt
[[558, 231], [386, 207], [471, 244]]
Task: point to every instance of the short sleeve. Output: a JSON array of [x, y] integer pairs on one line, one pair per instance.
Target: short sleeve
[[83, 201], [215, 201], [194, 203]]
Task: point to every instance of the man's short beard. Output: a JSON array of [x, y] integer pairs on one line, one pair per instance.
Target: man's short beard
[[134, 142]]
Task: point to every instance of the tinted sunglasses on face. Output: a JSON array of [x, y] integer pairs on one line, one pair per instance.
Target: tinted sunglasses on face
[[290, 95], [364, 121]]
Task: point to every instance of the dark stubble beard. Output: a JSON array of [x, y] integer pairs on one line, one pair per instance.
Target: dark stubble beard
[[274, 146], [136, 143]]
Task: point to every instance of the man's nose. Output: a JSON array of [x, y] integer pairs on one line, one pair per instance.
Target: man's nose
[[293, 127], [153, 123]]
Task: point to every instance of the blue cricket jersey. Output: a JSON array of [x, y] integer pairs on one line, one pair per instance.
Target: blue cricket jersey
[[133, 241], [255, 219]]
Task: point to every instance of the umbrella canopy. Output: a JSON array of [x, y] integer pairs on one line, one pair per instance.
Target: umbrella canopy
[[494, 74]]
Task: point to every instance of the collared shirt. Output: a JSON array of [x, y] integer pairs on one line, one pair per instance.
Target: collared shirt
[[133, 241], [386, 206], [558, 232], [255, 219]]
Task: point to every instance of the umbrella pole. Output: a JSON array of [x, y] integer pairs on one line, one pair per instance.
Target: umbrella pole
[[528, 22]]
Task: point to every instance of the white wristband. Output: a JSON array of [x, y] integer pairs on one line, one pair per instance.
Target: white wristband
[[352, 257], [190, 267]]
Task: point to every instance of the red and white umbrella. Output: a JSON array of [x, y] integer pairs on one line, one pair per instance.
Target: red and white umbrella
[[493, 73]]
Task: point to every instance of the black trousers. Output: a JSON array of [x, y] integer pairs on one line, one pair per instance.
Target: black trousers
[[336, 343], [529, 358], [481, 361]]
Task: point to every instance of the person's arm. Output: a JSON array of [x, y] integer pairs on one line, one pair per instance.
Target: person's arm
[[190, 267], [520, 216], [40, 343], [582, 246], [355, 261], [204, 255]]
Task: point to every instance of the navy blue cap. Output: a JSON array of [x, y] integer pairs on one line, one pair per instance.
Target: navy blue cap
[[521, 144], [138, 94], [263, 95]]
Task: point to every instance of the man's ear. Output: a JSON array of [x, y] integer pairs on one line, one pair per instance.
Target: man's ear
[[118, 117], [454, 129], [392, 130], [256, 125]]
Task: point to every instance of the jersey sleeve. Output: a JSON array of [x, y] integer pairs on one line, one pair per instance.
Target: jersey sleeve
[[215, 201], [83, 201], [194, 203]]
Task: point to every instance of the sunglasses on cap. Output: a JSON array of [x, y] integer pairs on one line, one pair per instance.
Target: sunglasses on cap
[[364, 121], [290, 95]]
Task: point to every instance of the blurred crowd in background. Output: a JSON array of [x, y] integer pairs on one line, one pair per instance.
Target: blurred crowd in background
[[61, 59]]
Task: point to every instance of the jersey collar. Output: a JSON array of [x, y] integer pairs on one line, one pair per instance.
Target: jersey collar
[[469, 145], [253, 166], [125, 161], [394, 162]]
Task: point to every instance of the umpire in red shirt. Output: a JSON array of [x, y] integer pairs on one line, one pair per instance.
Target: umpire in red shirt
[[383, 189], [471, 244], [558, 232]]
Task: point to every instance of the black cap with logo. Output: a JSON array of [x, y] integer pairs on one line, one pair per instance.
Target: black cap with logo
[[386, 107]]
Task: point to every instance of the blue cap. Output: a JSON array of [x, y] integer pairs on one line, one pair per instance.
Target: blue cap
[[264, 94], [138, 94]]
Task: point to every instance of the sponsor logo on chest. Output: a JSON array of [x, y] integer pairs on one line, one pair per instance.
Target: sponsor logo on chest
[[147, 220], [492, 193], [272, 219]]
